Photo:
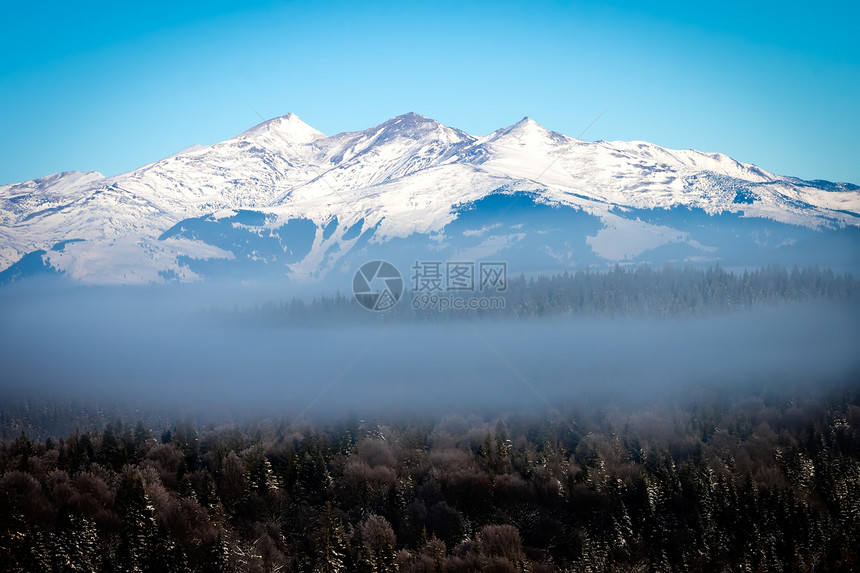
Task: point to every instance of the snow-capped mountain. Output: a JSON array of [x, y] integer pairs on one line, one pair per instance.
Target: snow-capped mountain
[[285, 199]]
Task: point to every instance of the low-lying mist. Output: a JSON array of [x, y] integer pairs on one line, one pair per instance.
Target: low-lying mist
[[151, 348]]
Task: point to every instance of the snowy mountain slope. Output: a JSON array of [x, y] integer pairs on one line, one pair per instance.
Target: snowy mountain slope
[[285, 195]]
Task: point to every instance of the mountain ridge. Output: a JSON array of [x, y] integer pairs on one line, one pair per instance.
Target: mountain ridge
[[404, 176]]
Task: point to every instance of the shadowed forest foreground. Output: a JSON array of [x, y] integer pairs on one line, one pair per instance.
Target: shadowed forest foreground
[[766, 480]]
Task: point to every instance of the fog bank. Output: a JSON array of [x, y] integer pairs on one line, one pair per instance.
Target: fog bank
[[151, 348]]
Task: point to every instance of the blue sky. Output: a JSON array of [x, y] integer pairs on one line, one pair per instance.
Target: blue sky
[[110, 87]]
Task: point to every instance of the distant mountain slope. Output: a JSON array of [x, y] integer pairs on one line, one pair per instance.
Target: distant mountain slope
[[283, 199]]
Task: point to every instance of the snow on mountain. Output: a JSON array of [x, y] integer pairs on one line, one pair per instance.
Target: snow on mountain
[[407, 176], [288, 129]]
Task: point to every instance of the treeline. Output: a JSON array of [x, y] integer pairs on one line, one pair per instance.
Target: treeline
[[639, 291], [764, 482]]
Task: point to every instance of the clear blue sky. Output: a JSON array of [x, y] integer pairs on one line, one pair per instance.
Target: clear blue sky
[[110, 87]]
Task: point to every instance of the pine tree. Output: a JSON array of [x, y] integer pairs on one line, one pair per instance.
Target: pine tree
[[330, 545]]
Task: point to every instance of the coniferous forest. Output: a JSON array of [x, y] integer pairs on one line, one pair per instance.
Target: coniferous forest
[[757, 475], [767, 481], [641, 291]]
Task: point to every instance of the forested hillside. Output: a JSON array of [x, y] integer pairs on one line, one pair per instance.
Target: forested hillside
[[765, 480], [636, 291]]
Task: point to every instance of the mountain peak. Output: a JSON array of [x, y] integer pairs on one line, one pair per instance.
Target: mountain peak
[[411, 119], [289, 128], [415, 126], [528, 123], [524, 129]]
